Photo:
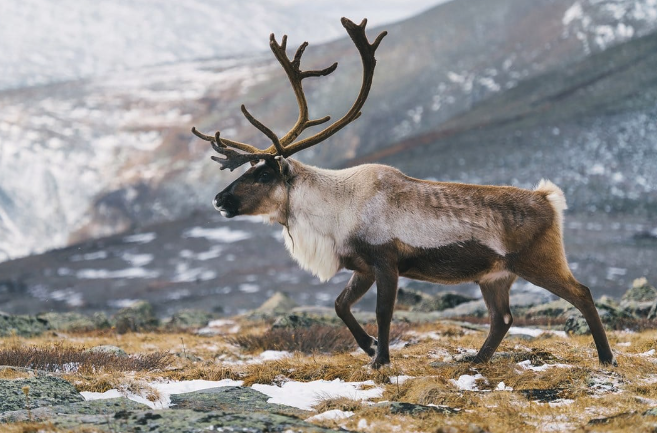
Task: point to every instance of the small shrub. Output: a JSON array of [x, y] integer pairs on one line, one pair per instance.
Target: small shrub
[[316, 338], [66, 359]]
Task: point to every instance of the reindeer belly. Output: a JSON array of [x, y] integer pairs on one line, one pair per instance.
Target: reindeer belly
[[449, 264]]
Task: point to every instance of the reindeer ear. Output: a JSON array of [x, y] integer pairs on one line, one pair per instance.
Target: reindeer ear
[[254, 162], [285, 167]]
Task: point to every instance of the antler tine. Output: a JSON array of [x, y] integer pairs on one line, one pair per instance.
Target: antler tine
[[232, 158], [226, 143], [295, 75], [366, 50], [268, 132]]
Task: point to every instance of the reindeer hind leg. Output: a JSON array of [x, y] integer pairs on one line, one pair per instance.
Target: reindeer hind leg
[[544, 264]]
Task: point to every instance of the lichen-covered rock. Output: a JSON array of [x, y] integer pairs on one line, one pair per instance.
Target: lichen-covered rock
[[233, 399], [137, 317], [41, 391], [278, 304], [472, 309], [300, 321], [397, 407], [108, 348], [189, 319], [21, 325], [95, 407], [442, 301], [409, 298], [640, 299], [186, 421], [66, 321], [551, 309], [611, 316]]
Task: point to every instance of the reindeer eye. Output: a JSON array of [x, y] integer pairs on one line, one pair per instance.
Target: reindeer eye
[[265, 176]]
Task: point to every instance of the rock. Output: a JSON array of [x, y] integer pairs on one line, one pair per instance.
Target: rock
[[189, 319], [651, 412], [101, 321], [232, 399], [107, 348], [300, 321], [472, 309], [66, 321], [409, 298], [397, 407], [137, 317], [542, 395], [551, 309], [93, 407], [442, 301], [21, 325], [185, 421], [607, 420], [42, 391], [280, 303], [640, 300], [611, 317]]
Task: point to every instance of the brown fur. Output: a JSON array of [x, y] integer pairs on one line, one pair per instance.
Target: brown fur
[[382, 224]]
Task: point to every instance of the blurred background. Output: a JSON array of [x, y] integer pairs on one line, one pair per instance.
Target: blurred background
[[105, 195]]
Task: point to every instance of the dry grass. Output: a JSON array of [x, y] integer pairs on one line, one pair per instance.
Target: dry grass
[[317, 338], [62, 358], [585, 391]]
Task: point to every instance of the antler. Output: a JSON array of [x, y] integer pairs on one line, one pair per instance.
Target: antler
[[286, 146]]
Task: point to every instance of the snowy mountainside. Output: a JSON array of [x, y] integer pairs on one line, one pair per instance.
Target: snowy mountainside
[[42, 41], [63, 145], [93, 157]]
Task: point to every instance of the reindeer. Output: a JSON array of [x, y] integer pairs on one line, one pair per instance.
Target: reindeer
[[381, 224]]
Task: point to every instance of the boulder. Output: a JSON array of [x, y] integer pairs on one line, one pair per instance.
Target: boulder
[[279, 303], [410, 299], [232, 398], [611, 316], [40, 390], [108, 348], [137, 317], [442, 301], [551, 309], [397, 407], [302, 320], [66, 321], [93, 407], [21, 325], [189, 319], [640, 299]]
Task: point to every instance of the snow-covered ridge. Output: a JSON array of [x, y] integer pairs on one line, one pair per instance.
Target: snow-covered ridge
[[43, 41], [599, 24]]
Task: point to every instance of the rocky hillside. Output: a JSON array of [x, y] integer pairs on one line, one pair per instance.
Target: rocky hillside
[[279, 368]]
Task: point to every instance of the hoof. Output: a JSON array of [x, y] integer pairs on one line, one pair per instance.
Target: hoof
[[371, 349], [377, 363]]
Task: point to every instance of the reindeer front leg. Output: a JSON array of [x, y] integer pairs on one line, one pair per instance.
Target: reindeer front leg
[[386, 285], [358, 285]]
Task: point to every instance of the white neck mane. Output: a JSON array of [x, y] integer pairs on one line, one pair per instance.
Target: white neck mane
[[319, 223]]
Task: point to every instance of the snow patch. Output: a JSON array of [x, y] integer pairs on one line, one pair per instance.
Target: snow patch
[[220, 234], [305, 395], [468, 382], [164, 389], [335, 415]]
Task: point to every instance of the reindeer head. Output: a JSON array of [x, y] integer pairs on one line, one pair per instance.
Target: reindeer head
[[262, 190]]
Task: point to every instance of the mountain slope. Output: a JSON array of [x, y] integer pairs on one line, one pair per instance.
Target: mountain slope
[[89, 158], [44, 42]]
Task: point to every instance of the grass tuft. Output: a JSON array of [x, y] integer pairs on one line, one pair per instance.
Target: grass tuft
[[317, 338], [61, 358]]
